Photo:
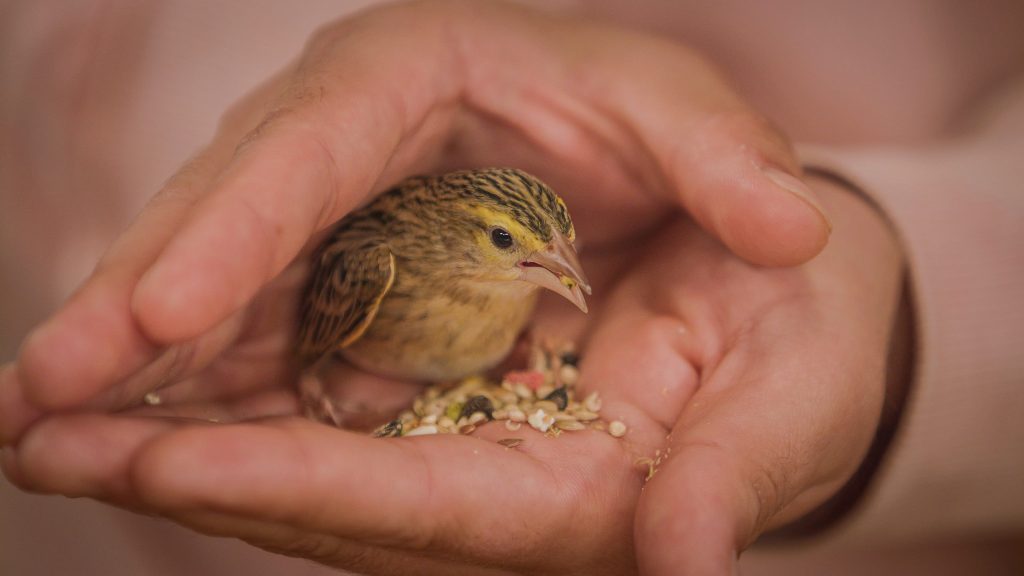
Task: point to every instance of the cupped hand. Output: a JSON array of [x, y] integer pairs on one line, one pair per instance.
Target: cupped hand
[[197, 297], [751, 395]]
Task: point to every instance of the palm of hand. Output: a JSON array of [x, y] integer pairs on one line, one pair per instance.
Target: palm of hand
[[686, 332]]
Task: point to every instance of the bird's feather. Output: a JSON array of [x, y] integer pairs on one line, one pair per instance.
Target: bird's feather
[[344, 295]]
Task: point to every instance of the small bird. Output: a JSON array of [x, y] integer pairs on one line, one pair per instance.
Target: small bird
[[435, 279]]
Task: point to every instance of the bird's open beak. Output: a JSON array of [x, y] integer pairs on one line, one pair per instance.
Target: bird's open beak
[[558, 269]]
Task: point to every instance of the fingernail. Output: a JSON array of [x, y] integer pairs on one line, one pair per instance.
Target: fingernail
[[796, 187]]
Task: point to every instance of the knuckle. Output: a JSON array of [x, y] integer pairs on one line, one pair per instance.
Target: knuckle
[[773, 487]]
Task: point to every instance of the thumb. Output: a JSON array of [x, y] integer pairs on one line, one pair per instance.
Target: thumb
[[721, 160], [699, 510]]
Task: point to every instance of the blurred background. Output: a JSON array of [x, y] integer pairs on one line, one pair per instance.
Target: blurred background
[[101, 100]]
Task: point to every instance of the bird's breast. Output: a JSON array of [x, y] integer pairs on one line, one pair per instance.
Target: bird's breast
[[444, 330]]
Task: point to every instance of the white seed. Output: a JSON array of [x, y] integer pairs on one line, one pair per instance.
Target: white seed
[[152, 399], [568, 374], [446, 422], [512, 425], [500, 415], [617, 429], [570, 425], [592, 402], [428, 420], [523, 392], [563, 417], [516, 415], [477, 417], [508, 398], [423, 431], [546, 405], [585, 415], [541, 420]]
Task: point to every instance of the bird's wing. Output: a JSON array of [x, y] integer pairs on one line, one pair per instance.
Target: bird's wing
[[344, 295]]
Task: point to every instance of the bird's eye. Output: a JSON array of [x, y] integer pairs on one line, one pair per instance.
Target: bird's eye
[[501, 238]]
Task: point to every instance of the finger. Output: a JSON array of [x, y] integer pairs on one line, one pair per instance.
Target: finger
[[730, 168], [357, 113], [673, 121], [91, 454], [85, 455], [734, 468], [93, 340], [450, 491], [344, 553]]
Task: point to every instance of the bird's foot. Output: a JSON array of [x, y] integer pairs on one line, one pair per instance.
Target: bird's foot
[[317, 405]]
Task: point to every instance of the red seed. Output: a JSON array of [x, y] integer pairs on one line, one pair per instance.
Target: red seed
[[532, 379]]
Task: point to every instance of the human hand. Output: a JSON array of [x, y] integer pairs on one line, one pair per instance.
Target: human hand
[[755, 390], [197, 297]]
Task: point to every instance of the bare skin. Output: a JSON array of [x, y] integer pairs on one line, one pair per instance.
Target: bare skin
[[765, 383]]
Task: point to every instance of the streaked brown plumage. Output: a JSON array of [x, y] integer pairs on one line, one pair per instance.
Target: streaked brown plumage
[[419, 283]]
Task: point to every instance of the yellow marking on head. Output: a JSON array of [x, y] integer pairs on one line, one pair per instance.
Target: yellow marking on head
[[522, 235], [572, 229]]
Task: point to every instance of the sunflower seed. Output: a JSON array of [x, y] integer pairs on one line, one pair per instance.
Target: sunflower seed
[[559, 396], [478, 404], [393, 428]]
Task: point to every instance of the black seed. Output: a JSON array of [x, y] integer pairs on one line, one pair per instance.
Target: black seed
[[393, 428], [478, 404], [560, 397], [571, 358]]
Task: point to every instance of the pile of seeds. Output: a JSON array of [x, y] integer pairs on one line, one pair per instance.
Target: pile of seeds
[[542, 397]]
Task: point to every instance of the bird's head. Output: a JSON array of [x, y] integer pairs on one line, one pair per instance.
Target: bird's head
[[521, 231]]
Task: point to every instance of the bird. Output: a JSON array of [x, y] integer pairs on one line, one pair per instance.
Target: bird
[[436, 278]]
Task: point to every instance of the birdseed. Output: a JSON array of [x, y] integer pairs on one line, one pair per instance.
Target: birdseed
[[543, 397]]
